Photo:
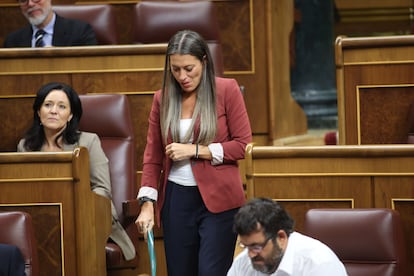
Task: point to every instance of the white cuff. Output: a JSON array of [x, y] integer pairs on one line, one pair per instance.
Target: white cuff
[[217, 153], [148, 192]]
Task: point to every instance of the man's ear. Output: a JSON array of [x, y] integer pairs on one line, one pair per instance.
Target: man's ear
[[281, 234], [282, 239]]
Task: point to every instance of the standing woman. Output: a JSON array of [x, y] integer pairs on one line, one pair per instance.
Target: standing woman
[[57, 111], [198, 130]]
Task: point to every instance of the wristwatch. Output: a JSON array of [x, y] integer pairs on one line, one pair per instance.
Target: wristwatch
[[145, 199]]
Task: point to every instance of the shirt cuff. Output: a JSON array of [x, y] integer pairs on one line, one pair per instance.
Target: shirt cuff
[[148, 192], [217, 153]]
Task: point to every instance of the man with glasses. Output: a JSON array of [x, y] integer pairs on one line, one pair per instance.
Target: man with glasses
[[271, 247], [49, 29]]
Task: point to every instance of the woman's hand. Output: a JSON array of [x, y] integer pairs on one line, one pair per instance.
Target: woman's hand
[[145, 220], [178, 151]]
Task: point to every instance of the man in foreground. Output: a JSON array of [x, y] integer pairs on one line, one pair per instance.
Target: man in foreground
[[271, 247]]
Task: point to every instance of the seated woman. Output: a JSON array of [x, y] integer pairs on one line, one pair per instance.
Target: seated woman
[[57, 111]]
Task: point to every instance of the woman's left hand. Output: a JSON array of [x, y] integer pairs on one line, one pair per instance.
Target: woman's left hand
[[178, 151]]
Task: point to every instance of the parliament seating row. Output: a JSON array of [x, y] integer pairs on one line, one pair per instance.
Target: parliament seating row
[[147, 17], [153, 22], [107, 115], [351, 177], [244, 42]]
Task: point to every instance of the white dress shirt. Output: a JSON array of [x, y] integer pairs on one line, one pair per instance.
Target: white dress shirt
[[304, 256], [48, 36]]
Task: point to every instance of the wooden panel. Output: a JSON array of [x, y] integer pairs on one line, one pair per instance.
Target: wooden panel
[[71, 223], [373, 17], [47, 225], [281, 103], [382, 114], [374, 73], [367, 4], [396, 193], [301, 178], [405, 207]]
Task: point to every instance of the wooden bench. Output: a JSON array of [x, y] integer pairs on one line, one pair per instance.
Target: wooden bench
[[71, 223]]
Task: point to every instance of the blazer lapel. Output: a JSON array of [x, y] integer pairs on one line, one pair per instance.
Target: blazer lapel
[[59, 32], [27, 36]]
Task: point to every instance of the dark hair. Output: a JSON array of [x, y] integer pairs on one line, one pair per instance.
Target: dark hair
[[35, 136], [187, 42], [262, 214]]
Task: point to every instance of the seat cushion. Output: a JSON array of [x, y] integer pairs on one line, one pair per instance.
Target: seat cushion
[[368, 241], [101, 17]]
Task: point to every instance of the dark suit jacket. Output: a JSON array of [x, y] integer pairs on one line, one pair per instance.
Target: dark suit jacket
[[66, 32], [11, 261], [220, 186]]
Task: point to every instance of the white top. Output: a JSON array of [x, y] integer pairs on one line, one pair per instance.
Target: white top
[[181, 172], [304, 256]]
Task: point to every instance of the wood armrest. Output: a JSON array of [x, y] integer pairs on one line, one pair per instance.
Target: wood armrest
[[131, 208]]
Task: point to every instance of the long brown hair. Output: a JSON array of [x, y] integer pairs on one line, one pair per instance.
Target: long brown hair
[[188, 42]]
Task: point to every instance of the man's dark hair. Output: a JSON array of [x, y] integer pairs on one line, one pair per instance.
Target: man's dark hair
[[262, 214]]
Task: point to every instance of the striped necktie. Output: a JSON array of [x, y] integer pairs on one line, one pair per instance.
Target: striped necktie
[[39, 38]]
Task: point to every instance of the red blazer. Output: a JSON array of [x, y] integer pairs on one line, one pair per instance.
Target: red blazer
[[221, 185]]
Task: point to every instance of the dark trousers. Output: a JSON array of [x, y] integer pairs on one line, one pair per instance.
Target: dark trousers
[[197, 242]]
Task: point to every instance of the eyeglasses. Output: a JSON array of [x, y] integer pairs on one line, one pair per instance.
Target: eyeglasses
[[24, 2], [256, 248]]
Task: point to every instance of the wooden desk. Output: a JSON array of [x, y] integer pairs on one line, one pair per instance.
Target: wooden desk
[[71, 223], [375, 86], [302, 178]]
